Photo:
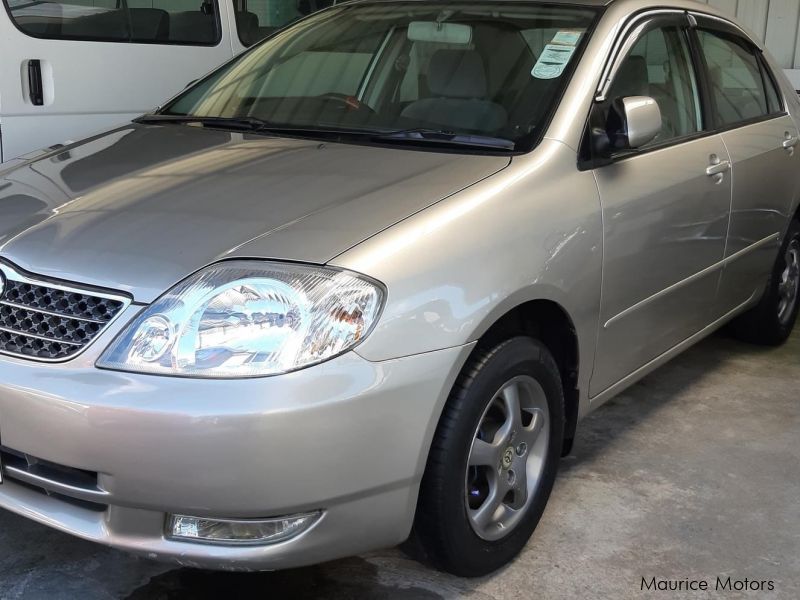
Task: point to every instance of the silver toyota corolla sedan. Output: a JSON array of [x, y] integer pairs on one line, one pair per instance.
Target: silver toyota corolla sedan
[[358, 285]]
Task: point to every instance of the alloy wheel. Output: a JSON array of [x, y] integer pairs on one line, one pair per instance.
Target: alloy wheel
[[507, 458], [789, 285]]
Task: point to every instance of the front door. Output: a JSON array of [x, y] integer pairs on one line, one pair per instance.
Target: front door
[[73, 67], [665, 212]]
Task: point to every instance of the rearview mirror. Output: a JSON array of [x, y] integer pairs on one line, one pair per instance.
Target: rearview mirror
[[633, 122], [440, 33]]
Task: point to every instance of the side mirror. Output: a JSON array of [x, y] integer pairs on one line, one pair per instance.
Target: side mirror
[[633, 122]]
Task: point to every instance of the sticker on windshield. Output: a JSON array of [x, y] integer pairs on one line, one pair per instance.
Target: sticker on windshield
[[552, 61], [557, 54]]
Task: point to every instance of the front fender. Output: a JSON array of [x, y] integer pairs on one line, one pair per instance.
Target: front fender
[[532, 231]]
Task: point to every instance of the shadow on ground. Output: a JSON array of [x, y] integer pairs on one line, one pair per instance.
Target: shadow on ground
[[355, 579]]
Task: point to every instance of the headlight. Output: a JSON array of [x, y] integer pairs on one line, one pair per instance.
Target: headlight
[[248, 319]]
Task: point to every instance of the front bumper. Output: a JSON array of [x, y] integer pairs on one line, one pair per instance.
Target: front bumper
[[348, 437]]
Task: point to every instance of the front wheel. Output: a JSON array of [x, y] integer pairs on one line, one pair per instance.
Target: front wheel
[[772, 321], [493, 460]]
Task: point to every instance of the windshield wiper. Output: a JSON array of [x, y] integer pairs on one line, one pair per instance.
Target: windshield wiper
[[409, 136], [255, 125], [436, 136], [238, 123]]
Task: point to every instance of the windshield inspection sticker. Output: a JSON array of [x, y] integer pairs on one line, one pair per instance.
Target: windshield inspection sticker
[[556, 55], [552, 61]]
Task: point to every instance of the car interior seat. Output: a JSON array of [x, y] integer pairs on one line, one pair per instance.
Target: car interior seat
[[458, 88]]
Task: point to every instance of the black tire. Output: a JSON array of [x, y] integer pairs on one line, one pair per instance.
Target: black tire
[[442, 533], [761, 325]]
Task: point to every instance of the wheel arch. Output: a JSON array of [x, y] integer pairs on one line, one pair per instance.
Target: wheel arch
[[550, 323]]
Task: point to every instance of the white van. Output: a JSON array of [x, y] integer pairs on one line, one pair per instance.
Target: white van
[[69, 68]]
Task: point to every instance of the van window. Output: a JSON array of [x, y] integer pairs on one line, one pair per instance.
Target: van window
[[256, 19], [188, 22], [737, 86]]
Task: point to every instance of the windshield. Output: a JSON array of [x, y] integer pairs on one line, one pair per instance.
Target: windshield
[[491, 69]]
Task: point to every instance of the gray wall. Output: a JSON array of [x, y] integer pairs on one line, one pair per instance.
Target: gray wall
[[777, 22]]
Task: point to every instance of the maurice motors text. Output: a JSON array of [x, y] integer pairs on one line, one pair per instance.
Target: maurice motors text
[[720, 584]]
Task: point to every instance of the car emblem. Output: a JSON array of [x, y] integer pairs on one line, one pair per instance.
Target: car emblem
[[508, 457]]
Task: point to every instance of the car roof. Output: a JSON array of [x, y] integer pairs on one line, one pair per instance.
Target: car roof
[[572, 2], [688, 5]]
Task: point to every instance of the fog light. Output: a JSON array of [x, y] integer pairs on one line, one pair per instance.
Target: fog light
[[239, 531]]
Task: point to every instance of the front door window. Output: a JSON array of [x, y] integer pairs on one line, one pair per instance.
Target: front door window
[[659, 66]]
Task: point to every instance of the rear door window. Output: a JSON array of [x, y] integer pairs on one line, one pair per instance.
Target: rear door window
[[734, 74], [187, 22]]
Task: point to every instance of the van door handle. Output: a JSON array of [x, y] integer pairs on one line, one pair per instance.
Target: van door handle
[[790, 142], [35, 89]]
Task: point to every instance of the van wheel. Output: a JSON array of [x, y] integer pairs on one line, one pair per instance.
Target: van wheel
[[771, 322], [493, 460]]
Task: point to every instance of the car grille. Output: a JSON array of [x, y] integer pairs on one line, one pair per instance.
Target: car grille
[[49, 321]]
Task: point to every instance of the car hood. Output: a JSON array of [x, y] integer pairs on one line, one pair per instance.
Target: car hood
[[139, 208]]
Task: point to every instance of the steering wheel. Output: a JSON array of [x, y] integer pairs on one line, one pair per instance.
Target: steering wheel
[[347, 102]]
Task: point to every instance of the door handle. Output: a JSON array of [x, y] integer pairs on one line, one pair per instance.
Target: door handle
[[718, 168], [35, 88], [790, 142]]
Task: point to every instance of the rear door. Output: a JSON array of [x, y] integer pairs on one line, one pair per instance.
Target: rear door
[[762, 139], [73, 67]]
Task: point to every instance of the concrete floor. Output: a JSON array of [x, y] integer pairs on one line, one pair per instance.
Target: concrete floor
[[693, 473]]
